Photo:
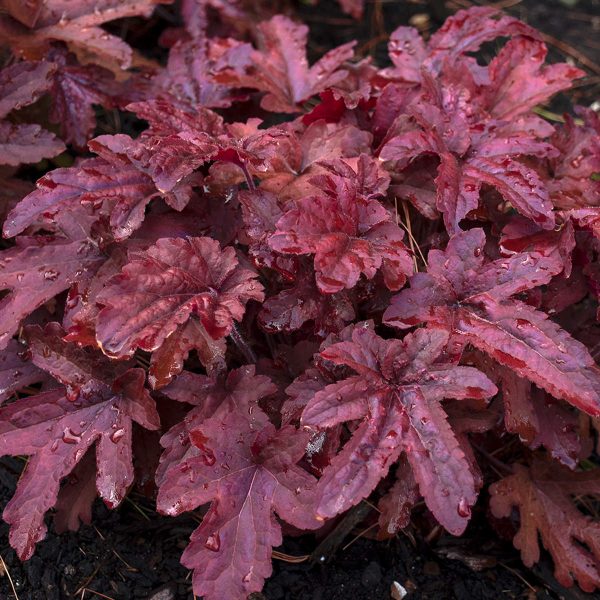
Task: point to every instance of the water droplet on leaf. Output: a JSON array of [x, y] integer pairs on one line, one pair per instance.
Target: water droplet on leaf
[[213, 542], [463, 509], [117, 435]]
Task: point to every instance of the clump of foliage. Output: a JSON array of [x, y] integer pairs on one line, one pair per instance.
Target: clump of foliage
[[362, 285]]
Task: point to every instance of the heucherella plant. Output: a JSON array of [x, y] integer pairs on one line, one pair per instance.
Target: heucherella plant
[[362, 287]]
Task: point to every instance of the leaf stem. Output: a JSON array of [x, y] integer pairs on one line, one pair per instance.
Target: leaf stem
[[242, 345], [249, 180]]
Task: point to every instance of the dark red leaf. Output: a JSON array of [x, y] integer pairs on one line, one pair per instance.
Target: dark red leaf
[[472, 299], [542, 494], [397, 396], [159, 290]]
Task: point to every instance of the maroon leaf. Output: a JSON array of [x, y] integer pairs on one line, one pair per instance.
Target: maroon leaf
[[261, 210], [238, 387], [292, 308], [188, 75], [23, 83], [462, 33], [77, 24], [521, 235], [247, 477], [56, 428], [353, 7], [542, 494], [471, 298], [75, 91], [16, 370], [574, 184], [158, 291], [279, 67], [123, 188], [397, 395], [26, 144], [537, 418], [467, 30], [36, 270]]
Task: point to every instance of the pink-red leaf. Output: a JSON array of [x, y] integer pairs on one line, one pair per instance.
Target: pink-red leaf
[[397, 397], [56, 428], [172, 281], [543, 497], [471, 298], [247, 470]]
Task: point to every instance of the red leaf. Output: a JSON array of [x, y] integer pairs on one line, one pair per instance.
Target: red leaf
[[520, 80], [397, 395], [56, 428], [348, 233], [471, 298], [159, 291], [279, 67], [167, 361], [542, 494], [472, 154], [407, 51]]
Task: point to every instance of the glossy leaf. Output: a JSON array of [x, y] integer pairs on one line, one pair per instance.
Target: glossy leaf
[[96, 406], [158, 291], [473, 300], [396, 396]]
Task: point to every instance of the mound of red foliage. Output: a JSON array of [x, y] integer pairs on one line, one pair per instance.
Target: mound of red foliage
[[300, 286]]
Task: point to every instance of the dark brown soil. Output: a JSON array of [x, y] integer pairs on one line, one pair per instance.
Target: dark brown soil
[[134, 553]]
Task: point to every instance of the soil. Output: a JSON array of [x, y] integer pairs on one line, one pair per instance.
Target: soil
[[134, 553]]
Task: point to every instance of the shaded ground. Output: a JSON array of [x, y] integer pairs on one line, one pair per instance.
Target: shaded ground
[[134, 553]]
